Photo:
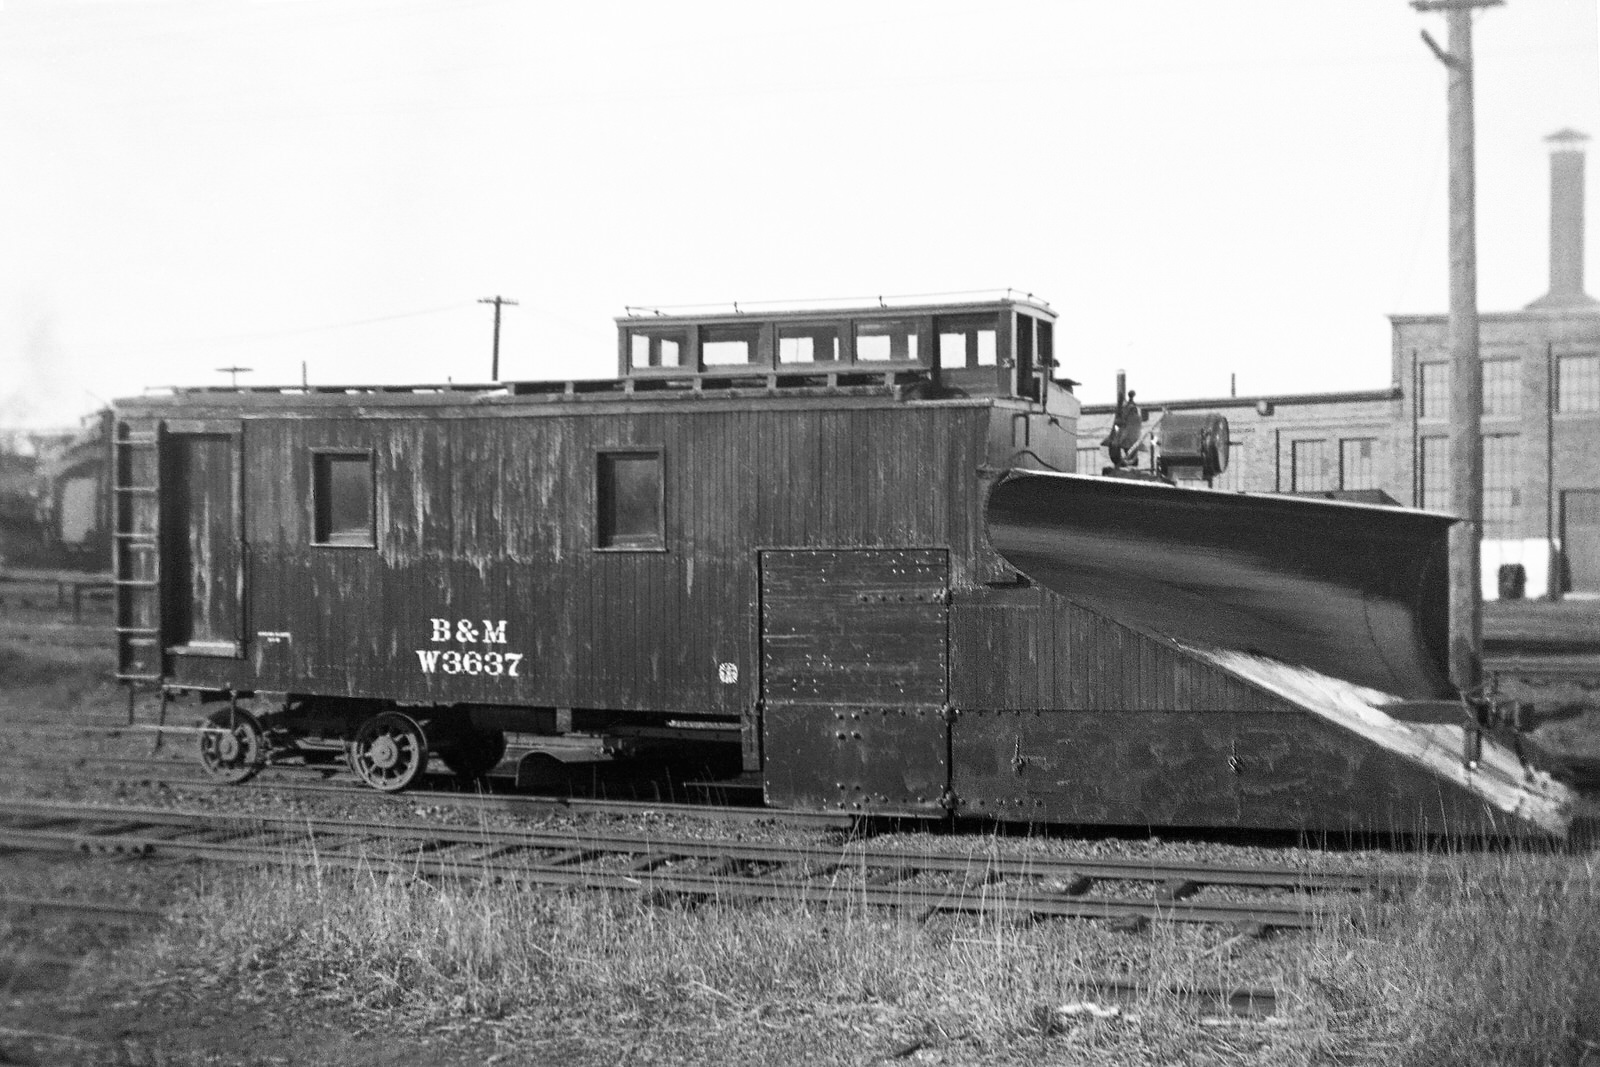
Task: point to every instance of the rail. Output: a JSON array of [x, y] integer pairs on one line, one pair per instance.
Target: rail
[[667, 866]]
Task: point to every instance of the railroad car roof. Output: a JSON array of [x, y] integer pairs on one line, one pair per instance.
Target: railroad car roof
[[971, 352], [821, 309], [515, 398]]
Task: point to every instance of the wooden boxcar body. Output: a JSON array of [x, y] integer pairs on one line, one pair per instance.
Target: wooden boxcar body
[[796, 556]]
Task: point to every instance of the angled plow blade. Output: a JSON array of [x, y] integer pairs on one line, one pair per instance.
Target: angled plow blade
[[1352, 591]]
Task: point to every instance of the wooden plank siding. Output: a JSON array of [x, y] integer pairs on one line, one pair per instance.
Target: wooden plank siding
[[493, 518], [1023, 648], [490, 515]]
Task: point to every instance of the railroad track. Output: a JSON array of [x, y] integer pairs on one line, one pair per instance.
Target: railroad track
[[44, 966], [1131, 892], [335, 780]]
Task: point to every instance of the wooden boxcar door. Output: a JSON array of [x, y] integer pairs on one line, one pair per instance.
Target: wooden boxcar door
[[202, 540], [854, 677]]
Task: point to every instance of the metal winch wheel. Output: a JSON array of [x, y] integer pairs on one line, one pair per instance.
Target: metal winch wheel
[[389, 752], [233, 747]]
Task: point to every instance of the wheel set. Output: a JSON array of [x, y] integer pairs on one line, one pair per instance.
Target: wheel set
[[233, 746], [389, 751]]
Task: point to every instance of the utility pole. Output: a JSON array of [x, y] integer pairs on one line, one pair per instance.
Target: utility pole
[[494, 368], [233, 382], [1466, 372]]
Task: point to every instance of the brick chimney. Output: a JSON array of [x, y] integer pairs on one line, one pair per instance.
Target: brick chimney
[[1566, 222]]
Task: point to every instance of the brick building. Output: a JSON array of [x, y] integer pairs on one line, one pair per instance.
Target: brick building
[[1540, 420]]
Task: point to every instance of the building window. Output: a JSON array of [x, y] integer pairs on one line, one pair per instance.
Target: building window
[[1356, 467], [629, 500], [1578, 383], [1433, 391], [1309, 471], [892, 341], [341, 499], [1433, 474], [1502, 484], [1502, 386]]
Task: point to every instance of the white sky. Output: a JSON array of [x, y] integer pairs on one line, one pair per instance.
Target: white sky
[[1243, 186]]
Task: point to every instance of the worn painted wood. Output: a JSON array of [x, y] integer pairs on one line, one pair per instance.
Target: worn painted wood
[[201, 542], [493, 519]]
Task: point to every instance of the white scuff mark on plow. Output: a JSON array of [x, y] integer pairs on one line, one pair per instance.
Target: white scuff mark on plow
[[1500, 777]]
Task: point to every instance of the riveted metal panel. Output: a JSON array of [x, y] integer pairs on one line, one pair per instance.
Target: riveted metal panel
[[1223, 768], [890, 760], [855, 626], [854, 669]]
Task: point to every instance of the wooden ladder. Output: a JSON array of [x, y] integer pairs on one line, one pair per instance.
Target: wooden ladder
[[136, 560]]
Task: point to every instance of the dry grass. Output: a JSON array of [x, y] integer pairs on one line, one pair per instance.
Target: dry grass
[[1498, 964]]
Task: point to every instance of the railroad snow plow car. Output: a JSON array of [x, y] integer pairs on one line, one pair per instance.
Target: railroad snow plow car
[[833, 546], [1298, 643]]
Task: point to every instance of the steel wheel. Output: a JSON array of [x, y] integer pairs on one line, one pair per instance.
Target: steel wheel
[[474, 753], [389, 751], [233, 746]]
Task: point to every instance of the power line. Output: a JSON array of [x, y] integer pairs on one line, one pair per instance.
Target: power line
[[265, 335], [337, 325]]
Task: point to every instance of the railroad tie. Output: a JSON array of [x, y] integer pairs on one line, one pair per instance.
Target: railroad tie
[[721, 867], [572, 857], [1069, 884], [1130, 924], [975, 880], [890, 875], [1176, 889], [1246, 931]]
